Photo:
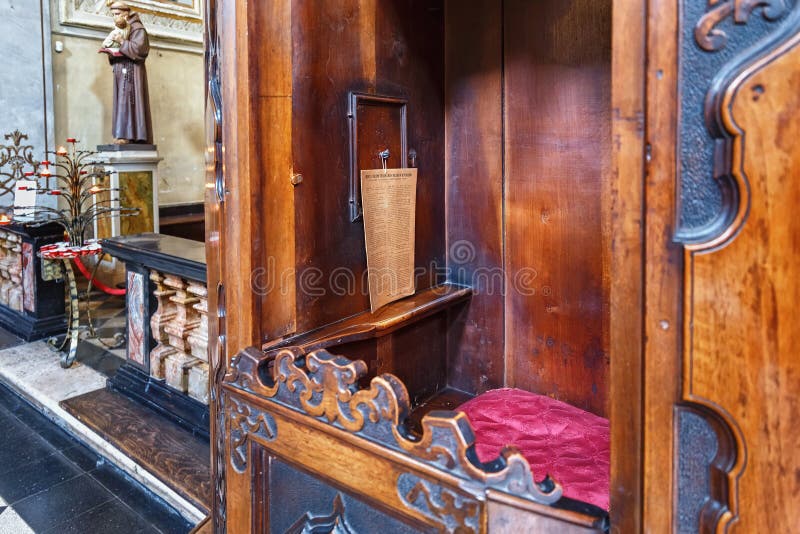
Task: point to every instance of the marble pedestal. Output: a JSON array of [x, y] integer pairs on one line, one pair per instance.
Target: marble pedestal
[[30, 306], [167, 304], [134, 170]]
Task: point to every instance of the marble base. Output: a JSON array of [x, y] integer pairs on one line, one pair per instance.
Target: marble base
[[127, 147], [33, 371], [198, 382]]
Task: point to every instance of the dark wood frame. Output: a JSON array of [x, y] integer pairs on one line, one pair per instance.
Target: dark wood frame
[[357, 99]]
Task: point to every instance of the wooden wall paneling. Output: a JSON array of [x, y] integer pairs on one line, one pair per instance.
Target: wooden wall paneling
[[623, 215], [235, 238], [271, 101], [390, 48], [474, 190], [663, 261], [409, 48], [557, 59], [742, 292]]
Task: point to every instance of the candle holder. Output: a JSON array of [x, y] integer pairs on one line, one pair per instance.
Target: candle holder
[[76, 180]]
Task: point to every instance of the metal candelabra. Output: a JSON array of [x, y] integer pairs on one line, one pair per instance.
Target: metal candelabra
[[76, 179]]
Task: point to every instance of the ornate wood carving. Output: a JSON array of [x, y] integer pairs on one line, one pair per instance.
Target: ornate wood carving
[[246, 421], [455, 513], [333, 522], [710, 38], [324, 386]]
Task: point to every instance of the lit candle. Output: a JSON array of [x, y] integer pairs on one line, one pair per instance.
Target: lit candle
[[95, 189], [46, 174], [5, 219], [61, 151]]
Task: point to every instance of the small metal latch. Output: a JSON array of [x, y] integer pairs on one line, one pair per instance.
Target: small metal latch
[[297, 179]]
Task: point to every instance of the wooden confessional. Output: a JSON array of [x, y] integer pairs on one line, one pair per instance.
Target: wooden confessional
[[602, 218]]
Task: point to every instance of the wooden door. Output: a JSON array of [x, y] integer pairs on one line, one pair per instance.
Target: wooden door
[[723, 258]]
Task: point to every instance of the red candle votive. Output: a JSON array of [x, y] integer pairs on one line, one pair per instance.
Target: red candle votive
[[71, 140]]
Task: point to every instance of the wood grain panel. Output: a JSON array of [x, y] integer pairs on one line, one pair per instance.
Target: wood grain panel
[[271, 100], [557, 155], [623, 198], [349, 45], [171, 453], [663, 269], [744, 337], [474, 184]]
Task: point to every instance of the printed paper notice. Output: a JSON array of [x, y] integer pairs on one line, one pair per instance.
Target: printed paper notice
[[24, 197], [389, 201]]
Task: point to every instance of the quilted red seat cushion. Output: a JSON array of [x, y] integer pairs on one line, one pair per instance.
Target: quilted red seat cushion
[[569, 444]]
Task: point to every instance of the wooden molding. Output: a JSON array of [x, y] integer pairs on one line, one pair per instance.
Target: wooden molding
[[732, 459]]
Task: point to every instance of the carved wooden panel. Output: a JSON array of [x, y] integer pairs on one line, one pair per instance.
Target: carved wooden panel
[[299, 502], [741, 337]]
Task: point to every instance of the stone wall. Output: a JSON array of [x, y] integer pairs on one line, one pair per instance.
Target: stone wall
[[26, 99]]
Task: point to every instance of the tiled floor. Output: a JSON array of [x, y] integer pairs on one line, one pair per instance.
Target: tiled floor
[[51, 483]]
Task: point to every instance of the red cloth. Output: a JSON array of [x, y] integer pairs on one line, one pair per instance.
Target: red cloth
[[569, 444]]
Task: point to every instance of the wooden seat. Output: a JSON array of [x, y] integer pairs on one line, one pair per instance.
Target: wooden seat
[[558, 440]]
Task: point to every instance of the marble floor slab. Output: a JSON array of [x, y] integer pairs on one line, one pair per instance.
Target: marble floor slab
[[33, 371]]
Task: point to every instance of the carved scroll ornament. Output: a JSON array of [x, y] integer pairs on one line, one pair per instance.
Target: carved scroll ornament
[[324, 386], [711, 38], [14, 159]]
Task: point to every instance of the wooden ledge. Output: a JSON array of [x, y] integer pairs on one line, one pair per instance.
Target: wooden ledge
[[369, 325]]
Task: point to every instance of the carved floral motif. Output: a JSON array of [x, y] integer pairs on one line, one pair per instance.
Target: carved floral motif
[[711, 38]]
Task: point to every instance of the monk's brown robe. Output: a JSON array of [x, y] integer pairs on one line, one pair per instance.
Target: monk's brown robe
[[130, 116]]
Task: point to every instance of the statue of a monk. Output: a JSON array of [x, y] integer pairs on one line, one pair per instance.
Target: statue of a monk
[[130, 117]]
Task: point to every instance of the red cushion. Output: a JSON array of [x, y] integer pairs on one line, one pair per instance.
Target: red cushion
[[569, 444]]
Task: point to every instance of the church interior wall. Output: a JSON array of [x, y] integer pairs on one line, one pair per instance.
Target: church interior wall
[[26, 98], [82, 87]]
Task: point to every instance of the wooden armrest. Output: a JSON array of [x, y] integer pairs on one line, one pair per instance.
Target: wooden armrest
[[369, 325]]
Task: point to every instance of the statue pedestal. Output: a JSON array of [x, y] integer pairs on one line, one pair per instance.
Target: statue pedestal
[[134, 170]]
